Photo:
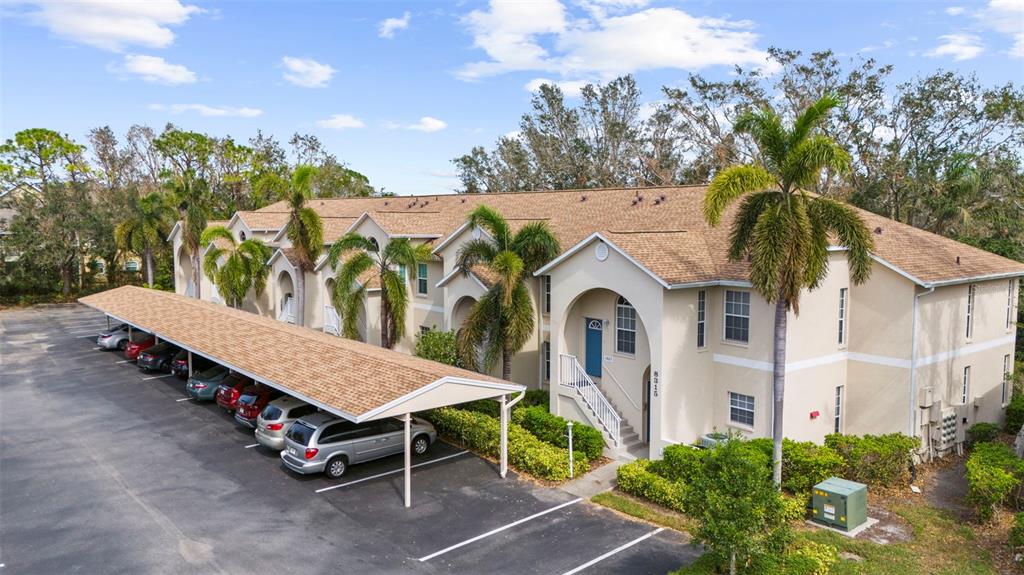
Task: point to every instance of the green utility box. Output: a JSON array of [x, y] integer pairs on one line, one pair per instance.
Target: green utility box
[[840, 503]]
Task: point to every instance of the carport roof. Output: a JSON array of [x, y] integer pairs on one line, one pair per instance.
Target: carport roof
[[355, 380]]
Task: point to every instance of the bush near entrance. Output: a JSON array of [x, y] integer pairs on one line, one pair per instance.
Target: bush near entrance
[[874, 459], [554, 430], [994, 474], [982, 432]]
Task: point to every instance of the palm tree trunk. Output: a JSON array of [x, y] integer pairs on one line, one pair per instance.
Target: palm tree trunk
[[506, 364], [385, 320], [300, 297], [149, 266], [778, 388], [197, 274]]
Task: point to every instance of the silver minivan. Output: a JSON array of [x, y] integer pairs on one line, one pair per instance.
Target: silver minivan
[[272, 423], [324, 443]]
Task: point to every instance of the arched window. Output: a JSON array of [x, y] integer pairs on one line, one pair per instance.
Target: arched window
[[373, 242], [625, 327], [241, 236]]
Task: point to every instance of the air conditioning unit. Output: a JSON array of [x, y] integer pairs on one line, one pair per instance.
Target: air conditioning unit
[[709, 440], [936, 412], [925, 397]]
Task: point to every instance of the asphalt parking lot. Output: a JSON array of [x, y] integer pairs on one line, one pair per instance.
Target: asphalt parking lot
[[105, 469]]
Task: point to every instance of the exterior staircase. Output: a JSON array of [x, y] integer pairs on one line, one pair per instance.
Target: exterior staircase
[[622, 438]]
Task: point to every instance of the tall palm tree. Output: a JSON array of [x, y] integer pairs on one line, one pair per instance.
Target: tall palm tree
[[782, 228], [244, 268], [502, 321], [190, 194], [352, 256], [304, 230], [145, 231]]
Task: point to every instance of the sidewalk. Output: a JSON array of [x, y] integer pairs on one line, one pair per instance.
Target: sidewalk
[[601, 479]]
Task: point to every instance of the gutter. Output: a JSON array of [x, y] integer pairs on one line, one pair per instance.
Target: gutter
[[913, 364]]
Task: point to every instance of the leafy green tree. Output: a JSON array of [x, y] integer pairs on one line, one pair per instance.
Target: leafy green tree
[[502, 320], [305, 233], [190, 195], [782, 228], [354, 255], [244, 267], [145, 230], [740, 515], [40, 157], [439, 346]]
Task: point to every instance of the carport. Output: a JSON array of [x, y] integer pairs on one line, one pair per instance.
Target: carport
[[350, 379]]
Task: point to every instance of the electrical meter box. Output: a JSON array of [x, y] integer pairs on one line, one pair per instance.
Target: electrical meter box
[[840, 503]]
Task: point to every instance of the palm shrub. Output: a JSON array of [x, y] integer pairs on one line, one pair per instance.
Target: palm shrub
[[191, 195], [304, 231], [244, 268], [501, 322], [144, 231], [783, 228]]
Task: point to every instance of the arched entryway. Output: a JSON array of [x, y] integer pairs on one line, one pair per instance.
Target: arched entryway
[[285, 297], [461, 311], [183, 276]]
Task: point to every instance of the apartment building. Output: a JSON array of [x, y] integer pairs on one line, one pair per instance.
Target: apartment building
[[647, 331]]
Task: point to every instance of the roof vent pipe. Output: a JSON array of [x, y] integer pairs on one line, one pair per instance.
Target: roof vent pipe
[[957, 260], [583, 198], [878, 231]]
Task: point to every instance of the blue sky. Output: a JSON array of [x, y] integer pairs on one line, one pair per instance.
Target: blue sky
[[398, 89]]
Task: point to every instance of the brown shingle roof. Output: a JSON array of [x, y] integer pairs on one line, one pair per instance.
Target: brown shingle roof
[[264, 220], [661, 228], [346, 375]]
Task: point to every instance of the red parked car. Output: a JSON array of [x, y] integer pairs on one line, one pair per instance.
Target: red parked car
[[134, 348], [251, 403], [231, 389]]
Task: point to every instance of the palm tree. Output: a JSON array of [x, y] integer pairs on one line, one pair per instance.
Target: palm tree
[[192, 199], [356, 255], [244, 268], [305, 231], [782, 228], [146, 229], [502, 321]]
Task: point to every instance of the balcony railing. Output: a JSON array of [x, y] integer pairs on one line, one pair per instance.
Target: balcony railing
[[571, 374], [287, 313], [332, 322]]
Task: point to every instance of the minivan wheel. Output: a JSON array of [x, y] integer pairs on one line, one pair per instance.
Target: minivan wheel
[[336, 467], [420, 445]]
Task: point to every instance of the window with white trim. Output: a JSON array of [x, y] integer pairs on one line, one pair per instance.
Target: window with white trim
[[625, 327], [421, 278], [843, 307], [837, 413], [545, 282], [1009, 304], [547, 360], [965, 392], [702, 324], [737, 316], [971, 289], [741, 409], [1004, 393], [424, 329]]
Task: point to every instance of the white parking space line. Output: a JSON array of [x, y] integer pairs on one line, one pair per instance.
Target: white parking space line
[[500, 529], [156, 376], [125, 361], [92, 336], [97, 348], [182, 399], [83, 332], [614, 551], [251, 446], [386, 473]]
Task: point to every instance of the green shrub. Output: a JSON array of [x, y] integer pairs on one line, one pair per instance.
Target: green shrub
[[536, 397], [982, 432], [636, 478], [553, 429], [874, 459], [680, 462], [1017, 531], [493, 408], [994, 472], [526, 452], [794, 508], [809, 558], [438, 346], [1014, 414], [805, 464]]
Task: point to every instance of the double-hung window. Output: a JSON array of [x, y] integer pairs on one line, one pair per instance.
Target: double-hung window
[[1004, 395], [702, 315], [547, 360], [1009, 304], [741, 409], [625, 327], [965, 392], [545, 282], [421, 279], [971, 289], [737, 316], [844, 306], [837, 413]]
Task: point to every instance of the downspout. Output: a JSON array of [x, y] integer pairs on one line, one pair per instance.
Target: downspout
[[912, 419], [540, 332]]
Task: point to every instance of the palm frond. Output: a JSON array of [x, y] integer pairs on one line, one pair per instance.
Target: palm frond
[[509, 268], [348, 242], [475, 252], [806, 160], [750, 210], [214, 233], [765, 127], [811, 118], [489, 219], [769, 251], [536, 245], [350, 307], [851, 231], [403, 252], [731, 183], [395, 293], [519, 321]]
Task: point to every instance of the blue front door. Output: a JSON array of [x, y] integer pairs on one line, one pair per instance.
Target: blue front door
[[593, 348]]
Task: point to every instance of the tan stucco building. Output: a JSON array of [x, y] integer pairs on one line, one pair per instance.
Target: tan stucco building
[[645, 330]]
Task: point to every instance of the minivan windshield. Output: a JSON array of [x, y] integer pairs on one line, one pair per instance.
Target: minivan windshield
[[300, 433]]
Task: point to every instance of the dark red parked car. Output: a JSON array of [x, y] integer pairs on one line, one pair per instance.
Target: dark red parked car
[[231, 389], [134, 348], [251, 403]]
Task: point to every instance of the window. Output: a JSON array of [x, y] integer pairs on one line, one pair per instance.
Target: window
[[970, 310], [741, 409], [1004, 395], [424, 329], [625, 327], [545, 282], [131, 266], [965, 393], [837, 413], [241, 236], [401, 272], [737, 316], [547, 360], [421, 279], [702, 306], [1009, 304], [842, 315]]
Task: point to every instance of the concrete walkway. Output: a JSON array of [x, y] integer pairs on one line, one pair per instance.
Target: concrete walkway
[[597, 481]]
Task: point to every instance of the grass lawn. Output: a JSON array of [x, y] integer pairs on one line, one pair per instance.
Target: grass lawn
[[941, 545]]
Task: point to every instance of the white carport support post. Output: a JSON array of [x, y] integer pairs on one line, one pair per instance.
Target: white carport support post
[[504, 435], [156, 339], [190, 364], [108, 323], [408, 459], [129, 332]]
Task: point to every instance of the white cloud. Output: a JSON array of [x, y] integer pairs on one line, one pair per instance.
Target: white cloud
[[571, 88], [958, 46], [885, 45], [543, 36], [1017, 50], [209, 111], [391, 25], [154, 69], [955, 10], [341, 122], [1006, 17], [114, 25], [426, 124], [307, 72]]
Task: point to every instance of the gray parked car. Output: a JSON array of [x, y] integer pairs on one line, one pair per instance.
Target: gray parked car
[[114, 338], [276, 417], [324, 443]]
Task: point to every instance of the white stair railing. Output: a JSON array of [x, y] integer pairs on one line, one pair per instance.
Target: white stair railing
[[287, 313], [571, 374], [332, 322], [190, 290]]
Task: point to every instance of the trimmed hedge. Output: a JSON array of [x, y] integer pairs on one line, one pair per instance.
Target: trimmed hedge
[[874, 459], [636, 478], [1014, 414], [526, 452], [994, 474], [680, 462], [554, 429], [1016, 538], [982, 432], [493, 408]]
